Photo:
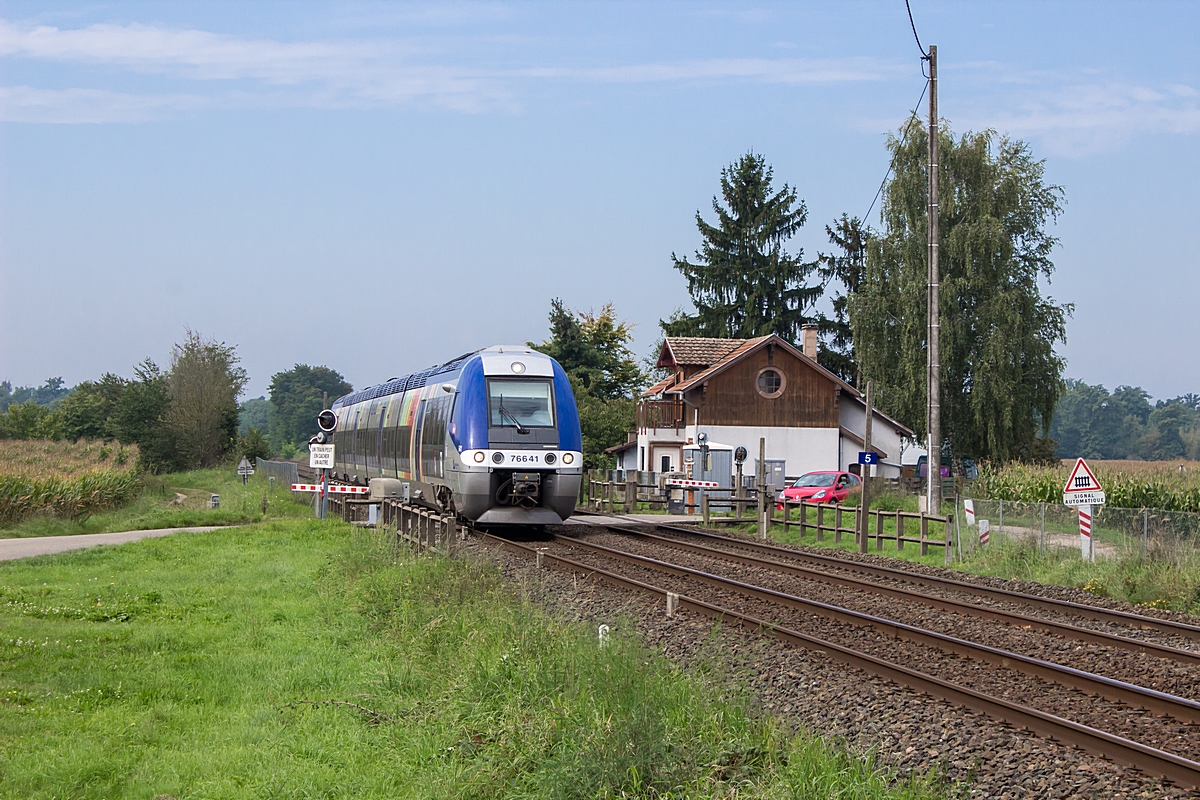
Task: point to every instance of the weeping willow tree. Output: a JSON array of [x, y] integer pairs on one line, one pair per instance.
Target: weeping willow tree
[[1001, 376]]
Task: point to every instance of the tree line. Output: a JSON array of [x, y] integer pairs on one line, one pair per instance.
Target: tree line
[[186, 416], [1091, 422]]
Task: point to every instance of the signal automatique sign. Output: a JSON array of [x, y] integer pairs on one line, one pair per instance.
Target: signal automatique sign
[[1082, 488]]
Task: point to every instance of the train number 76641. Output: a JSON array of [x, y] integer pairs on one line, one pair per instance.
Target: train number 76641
[[523, 459]]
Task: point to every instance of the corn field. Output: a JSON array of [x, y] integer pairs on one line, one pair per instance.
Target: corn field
[[66, 479], [1127, 484]]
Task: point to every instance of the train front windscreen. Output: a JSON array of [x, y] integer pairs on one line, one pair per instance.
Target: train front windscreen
[[521, 403]]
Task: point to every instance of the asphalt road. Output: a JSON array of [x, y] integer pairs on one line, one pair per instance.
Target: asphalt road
[[45, 545]]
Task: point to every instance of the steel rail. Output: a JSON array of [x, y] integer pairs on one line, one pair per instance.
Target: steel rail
[[1123, 751], [956, 606], [1180, 708], [1060, 606]]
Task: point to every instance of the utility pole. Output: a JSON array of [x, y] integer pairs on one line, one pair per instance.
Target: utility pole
[[864, 506], [933, 463]]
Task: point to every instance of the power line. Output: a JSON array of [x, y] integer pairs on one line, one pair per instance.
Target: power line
[[924, 54], [892, 163]]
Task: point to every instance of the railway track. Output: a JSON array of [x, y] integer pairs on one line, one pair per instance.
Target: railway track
[[1129, 723]]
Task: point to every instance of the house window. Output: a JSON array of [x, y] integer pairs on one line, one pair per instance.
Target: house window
[[770, 382]]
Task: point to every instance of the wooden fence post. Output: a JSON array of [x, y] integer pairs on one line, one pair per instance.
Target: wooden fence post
[[899, 530], [878, 530], [837, 524], [630, 496], [924, 534], [820, 521]]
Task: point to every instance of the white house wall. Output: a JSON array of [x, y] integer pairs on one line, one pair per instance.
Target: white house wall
[[883, 437]]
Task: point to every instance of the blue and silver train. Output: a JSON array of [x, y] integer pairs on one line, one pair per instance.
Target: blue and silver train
[[492, 436]]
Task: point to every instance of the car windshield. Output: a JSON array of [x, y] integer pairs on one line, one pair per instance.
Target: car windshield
[[814, 479], [520, 404]]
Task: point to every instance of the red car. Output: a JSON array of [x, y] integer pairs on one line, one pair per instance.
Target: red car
[[820, 487]]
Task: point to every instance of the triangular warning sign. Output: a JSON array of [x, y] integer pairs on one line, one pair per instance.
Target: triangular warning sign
[[1082, 479]]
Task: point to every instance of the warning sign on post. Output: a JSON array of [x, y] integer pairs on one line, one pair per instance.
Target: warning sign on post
[[1082, 488], [320, 456]]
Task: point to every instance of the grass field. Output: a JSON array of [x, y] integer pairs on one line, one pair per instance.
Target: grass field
[[304, 659]]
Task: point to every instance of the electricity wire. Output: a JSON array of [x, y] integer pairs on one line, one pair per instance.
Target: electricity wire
[[892, 163], [924, 54]]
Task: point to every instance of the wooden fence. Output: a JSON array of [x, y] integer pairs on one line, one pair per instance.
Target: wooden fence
[[423, 528]]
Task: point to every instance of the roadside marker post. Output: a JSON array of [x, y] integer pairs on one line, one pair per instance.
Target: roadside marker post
[[244, 469], [985, 530], [1084, 491]]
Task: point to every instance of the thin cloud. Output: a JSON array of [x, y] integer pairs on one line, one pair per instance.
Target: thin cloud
[[1084, 119], [29, 104], [773, 70], [357, 73]]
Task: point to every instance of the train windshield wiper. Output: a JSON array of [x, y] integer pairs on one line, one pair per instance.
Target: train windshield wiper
[[504, 412]]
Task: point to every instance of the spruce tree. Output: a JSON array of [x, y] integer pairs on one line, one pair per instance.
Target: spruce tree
[[844, 267], [742, 281]]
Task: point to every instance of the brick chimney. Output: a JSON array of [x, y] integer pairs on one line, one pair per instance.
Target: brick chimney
[[809, 348]]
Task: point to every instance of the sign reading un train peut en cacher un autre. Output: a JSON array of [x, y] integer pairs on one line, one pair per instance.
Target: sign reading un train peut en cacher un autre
[[1082, 488]]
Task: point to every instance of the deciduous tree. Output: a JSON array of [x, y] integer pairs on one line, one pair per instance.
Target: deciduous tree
[[1001, 376], [203, 384], [296, 397], [593, 350]]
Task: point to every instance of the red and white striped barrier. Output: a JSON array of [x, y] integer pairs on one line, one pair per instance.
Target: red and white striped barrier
[[316, 487], [687, 484]]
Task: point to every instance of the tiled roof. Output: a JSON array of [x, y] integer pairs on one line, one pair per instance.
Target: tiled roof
[[743, 346], [694, 351], [661, 386]]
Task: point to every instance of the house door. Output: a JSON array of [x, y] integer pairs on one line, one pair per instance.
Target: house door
[[667, 459]]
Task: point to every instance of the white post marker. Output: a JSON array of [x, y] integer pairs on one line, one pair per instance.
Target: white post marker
[[1084, 491], [1085, 533], [969, 506], [985, 530]]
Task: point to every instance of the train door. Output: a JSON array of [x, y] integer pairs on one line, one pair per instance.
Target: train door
[[357, 462], [373, 464], [387, 424], [433, 437], [418, 431]]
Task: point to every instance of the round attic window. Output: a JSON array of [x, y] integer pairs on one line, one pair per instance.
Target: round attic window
[[770, 382]]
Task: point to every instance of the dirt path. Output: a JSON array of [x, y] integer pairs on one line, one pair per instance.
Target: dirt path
[[44, 545]]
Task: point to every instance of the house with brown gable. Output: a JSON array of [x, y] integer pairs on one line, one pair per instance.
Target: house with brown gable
[[738, 390]]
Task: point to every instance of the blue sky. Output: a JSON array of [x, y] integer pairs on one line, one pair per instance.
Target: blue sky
[[378, 187]]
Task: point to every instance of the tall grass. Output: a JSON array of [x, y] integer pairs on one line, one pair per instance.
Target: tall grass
[[70, 498], [1126, 484], [44, 458], [70, 480]]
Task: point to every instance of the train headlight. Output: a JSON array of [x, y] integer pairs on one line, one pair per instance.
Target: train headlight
[[479, 457], [550, 458], [497, 457], [568, 458], [518, 367]]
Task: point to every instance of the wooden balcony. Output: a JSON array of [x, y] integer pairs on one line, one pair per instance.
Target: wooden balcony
[[662, 413]]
